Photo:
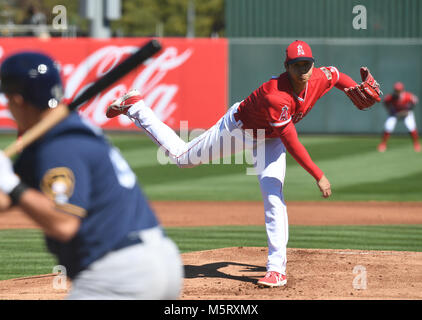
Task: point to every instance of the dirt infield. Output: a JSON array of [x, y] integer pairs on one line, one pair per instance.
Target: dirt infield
[[208, 213], [300, 213], [231, 273]]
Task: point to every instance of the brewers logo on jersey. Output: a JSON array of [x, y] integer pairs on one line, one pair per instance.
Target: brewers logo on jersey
[[58, 184]]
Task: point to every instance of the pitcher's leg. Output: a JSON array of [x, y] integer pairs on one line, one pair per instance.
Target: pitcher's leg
[[271, 180], [161, 134], [205, 148]]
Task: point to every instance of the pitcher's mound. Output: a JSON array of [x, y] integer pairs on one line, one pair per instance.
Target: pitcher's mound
[[231, 273], [42, 287]]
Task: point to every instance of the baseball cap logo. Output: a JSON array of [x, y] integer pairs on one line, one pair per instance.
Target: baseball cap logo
[[300, 51]]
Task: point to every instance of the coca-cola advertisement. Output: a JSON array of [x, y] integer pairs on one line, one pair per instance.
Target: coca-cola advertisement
[[185, 81]]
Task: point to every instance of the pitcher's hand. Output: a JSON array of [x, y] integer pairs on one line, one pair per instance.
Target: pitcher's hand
[[325, 186]]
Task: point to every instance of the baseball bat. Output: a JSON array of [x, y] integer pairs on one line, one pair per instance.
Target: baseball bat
[[62, 111]]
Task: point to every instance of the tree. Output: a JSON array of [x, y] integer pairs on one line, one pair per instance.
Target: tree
[[141, 17], [144, 18]]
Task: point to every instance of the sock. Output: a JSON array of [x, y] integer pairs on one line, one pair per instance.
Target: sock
[[385, 137], [415, 137]]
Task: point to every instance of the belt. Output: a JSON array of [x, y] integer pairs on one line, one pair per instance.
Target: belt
[[127, 241], [135, 237]]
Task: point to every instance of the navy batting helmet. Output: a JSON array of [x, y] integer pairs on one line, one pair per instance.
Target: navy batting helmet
[[33, 75]]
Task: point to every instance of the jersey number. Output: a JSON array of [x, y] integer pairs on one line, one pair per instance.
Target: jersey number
[[124, 173]]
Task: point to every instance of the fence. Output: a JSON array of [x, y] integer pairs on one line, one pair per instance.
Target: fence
[[254, 61], [323, 18], [191, 81]]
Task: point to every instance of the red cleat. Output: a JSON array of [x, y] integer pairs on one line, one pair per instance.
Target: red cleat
[[417, 147], [382, 147], [273, 279], [122, 104]]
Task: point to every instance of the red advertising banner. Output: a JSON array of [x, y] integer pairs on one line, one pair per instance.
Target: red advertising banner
[[185, 81]]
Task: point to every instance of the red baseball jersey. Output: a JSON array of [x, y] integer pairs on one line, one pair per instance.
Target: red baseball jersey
[[274, 104], [403, 102]]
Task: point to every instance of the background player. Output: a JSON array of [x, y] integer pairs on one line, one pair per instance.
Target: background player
[[273, 108], [400, 106], [84, 196]]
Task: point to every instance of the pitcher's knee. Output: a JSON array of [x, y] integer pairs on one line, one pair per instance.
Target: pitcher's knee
[[273, 201], [271, 187]]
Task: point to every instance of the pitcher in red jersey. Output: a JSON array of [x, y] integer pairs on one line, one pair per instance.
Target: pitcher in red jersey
[[399, 105], [270, 111]]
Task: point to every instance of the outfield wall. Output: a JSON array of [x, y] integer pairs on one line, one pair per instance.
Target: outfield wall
[[254, 60], [185, 81], [195, 80], [323, 18]]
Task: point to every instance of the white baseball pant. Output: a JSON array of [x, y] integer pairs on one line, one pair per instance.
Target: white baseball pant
[[409, 122], [226, 134], [151, 270]]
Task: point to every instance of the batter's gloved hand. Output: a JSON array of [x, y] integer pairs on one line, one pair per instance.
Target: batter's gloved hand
[[365, 94], [8, 179]]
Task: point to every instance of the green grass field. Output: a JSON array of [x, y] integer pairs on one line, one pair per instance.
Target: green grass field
[[356, 171], [22, 252]]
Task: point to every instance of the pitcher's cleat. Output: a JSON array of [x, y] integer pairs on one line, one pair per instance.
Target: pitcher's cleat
[[273, 279], [122, 104]]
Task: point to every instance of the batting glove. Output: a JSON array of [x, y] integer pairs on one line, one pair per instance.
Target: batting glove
[[8, 179]]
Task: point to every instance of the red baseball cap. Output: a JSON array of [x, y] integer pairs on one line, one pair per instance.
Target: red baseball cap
[[298, 51], [398, 86]]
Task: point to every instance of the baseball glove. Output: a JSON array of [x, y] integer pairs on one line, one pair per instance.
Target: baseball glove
[[365, 94]]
